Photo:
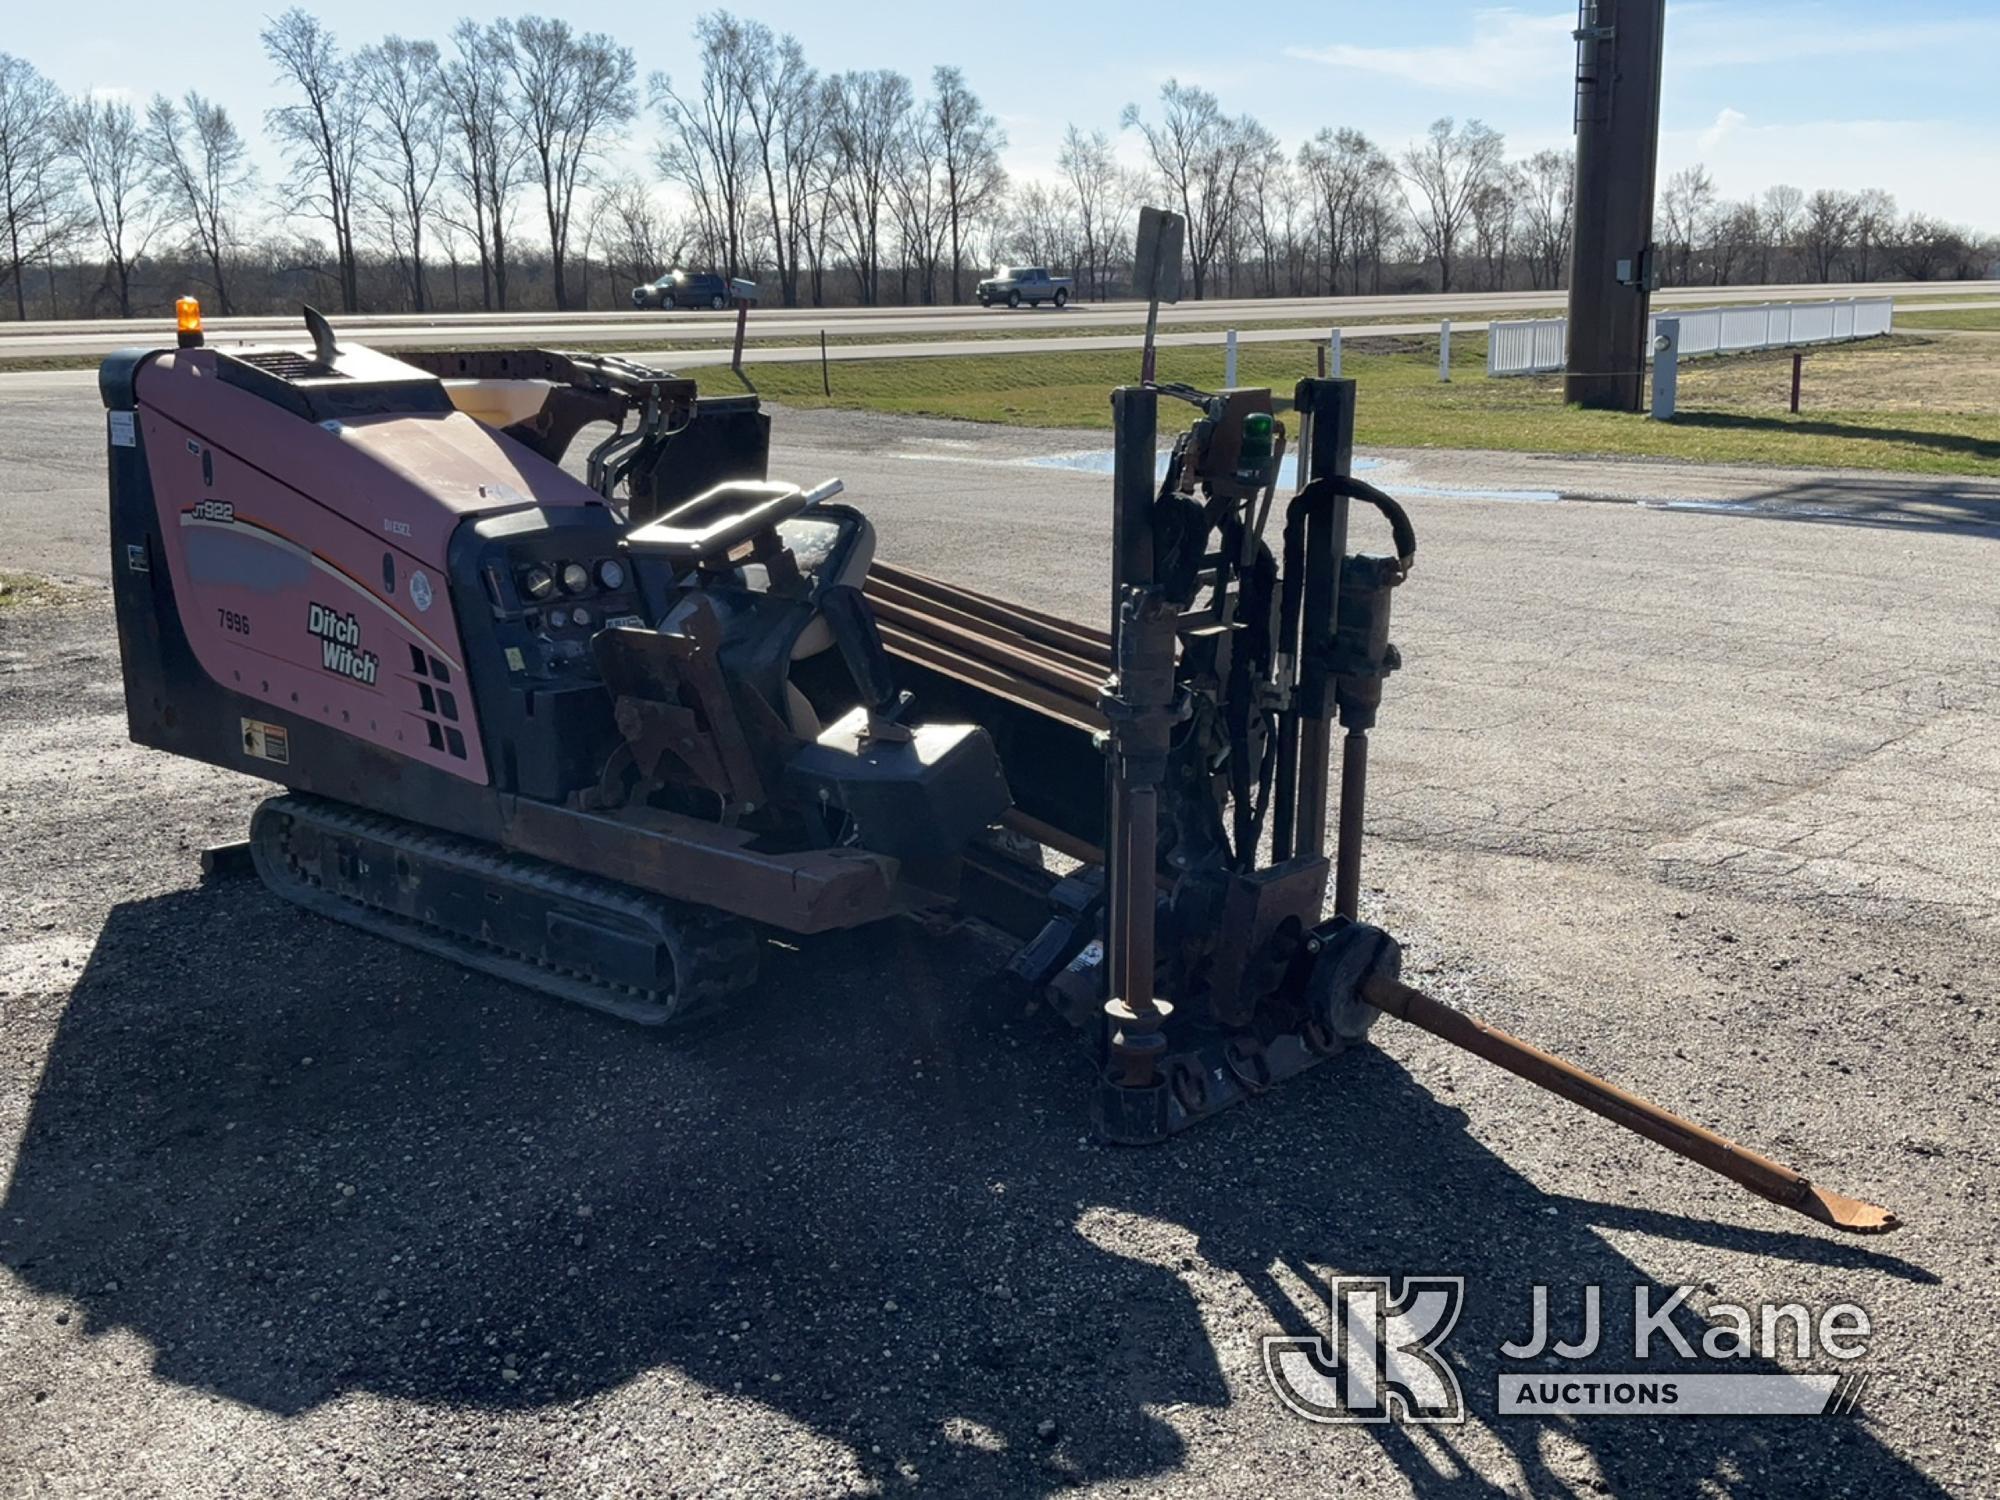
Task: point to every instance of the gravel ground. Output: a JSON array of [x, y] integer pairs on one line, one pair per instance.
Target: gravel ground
[[1709, 802]]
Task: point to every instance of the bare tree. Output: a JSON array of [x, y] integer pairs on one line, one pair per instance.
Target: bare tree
[[1826, 229], [1927, 247], [1341, 166], [780, 100], [202, 171], [1874, 226], [638, 237], [1266, 178], [1448, 169], [570, 90], [812, 170], [1104, 199], [1202, 157], [1496, 216], [322, 135], [1380, 221], [1782, 208], [1044, 229], [402, 85], [1293, 196], [104, 138], [450, 239], [869, 113], [921, 202], [33, 216], [1548, 188], [598, 221], [970, 142], [1687, 207], [707, 144], [486, 146], [1735, 232]]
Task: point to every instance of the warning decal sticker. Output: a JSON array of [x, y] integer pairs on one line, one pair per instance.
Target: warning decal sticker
[[267, 742]]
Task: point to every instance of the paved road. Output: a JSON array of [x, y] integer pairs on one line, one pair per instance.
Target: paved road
[[1317, 313], [51, 427], [1709, 798], [1045, 339]]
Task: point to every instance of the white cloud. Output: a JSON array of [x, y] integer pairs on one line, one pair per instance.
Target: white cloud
[[1514, 52], [1509, 53], [1725, 125], [1708, 35]]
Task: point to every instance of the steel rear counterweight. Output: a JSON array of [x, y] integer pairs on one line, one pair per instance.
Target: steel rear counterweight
[[600, 738]]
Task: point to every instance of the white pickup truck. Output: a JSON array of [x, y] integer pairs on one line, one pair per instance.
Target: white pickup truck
[[1014, 285]]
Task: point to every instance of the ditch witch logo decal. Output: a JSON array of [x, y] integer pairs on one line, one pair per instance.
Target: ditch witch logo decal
[[340, 645], [1380, 1359]]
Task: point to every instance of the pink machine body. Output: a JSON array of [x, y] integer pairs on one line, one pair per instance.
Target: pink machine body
[[332, 605]]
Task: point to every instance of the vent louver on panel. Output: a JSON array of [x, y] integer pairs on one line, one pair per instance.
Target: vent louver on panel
[[288, 364]]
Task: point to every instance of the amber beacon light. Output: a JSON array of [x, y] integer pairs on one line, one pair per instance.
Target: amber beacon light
[[187, 322]]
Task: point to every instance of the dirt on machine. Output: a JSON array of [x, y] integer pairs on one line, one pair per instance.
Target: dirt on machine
[[604, 737]]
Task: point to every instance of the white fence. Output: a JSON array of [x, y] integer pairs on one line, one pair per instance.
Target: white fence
[[1533, 346], [1536, 347]]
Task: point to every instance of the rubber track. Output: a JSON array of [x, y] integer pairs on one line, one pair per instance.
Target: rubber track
[[714, 954]]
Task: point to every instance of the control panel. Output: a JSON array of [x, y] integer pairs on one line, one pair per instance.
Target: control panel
[[552, 595], [533, 586]]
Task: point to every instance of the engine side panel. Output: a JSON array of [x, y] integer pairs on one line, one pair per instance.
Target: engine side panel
[[173, 703], [293, 604]]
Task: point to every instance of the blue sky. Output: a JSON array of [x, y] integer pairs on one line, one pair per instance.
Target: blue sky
[[1834, 94]]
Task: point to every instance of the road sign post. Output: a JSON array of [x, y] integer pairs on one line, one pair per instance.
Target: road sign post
[[744, 295], [1156, 272]]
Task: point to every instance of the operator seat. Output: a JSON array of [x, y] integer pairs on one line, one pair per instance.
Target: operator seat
[[777, 540]]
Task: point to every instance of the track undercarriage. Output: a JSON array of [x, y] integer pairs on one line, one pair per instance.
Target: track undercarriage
[[595, 942]]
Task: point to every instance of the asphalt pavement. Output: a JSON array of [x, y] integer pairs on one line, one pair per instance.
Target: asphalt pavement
[[1691, 774]]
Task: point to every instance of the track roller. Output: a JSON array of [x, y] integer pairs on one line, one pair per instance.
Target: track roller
[[577, 937]]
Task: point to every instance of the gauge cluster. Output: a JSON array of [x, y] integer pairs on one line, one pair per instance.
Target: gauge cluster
[[563, 602]]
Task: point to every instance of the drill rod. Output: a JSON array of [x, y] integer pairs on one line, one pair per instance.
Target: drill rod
[[1347, 847], [1762, 1176]]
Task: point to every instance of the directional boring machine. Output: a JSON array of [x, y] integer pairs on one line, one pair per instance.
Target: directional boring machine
[[600, 736]]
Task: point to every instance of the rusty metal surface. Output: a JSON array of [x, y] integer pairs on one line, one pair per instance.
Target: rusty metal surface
[[1074, 656], [1029, 658], [1761, 1175], [820, 890], [1255, 908], [1011, 686], [1353, 806], [1017, 656], [1052, 837], [674, 707], [1083, 639]]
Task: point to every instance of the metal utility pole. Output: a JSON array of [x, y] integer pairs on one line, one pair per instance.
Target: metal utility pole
[[1612, 261]]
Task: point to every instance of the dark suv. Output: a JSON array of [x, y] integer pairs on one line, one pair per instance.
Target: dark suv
[[683, 289]]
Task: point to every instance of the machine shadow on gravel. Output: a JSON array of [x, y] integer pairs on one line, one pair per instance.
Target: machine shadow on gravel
[[301, 1162]]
